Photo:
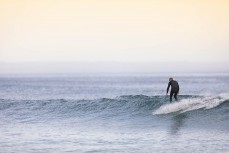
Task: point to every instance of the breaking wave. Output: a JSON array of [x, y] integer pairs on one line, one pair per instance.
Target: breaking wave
[[190, 104], [128, 105]]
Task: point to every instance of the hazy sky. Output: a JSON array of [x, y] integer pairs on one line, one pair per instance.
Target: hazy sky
[[114, 31]]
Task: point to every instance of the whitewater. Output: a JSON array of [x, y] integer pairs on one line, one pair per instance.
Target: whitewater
[[113, 113]]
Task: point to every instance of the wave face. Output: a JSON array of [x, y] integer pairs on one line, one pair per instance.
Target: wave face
[[123, 105], [104, 108]]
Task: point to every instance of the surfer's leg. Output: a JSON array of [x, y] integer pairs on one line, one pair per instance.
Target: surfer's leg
[[171, 96], [175, 95]]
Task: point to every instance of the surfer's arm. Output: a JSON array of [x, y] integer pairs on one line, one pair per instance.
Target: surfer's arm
[[178, 88], [168, 88]]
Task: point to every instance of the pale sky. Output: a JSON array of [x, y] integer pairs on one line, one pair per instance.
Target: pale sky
[[114, 31]]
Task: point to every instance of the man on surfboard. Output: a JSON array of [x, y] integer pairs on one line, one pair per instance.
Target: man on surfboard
[[174, 89]]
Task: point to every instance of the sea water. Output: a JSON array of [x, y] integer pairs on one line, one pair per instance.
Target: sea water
[[113, 113]]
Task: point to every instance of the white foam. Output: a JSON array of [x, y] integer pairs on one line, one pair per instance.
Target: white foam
[[205, 102]]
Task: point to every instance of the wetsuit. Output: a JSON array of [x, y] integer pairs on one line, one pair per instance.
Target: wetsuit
[[174, 89]]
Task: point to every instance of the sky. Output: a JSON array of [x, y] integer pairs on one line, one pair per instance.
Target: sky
[[91, 33]]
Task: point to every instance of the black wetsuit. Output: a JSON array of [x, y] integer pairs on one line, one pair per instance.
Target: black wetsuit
[[174, 89]]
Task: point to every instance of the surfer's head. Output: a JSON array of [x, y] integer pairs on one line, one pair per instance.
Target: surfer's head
[[170, 79]]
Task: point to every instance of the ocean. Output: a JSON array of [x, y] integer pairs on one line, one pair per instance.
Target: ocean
[[113, 113]]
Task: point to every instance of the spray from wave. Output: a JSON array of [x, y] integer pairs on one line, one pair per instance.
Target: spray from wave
[[189, 104]]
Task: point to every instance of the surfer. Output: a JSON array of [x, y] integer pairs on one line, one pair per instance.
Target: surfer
[[174, 89]]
